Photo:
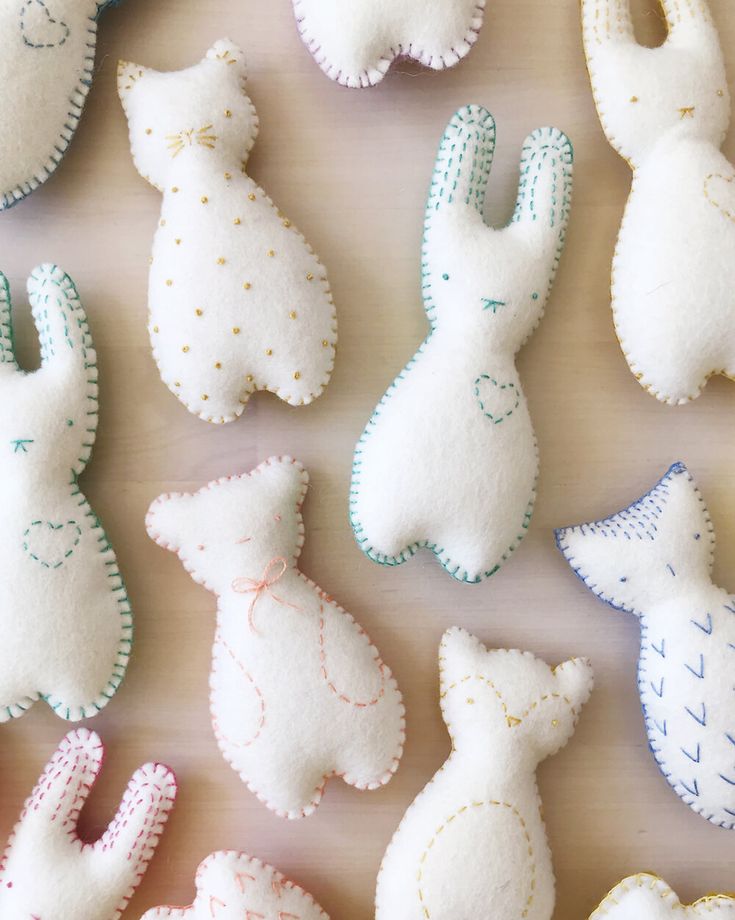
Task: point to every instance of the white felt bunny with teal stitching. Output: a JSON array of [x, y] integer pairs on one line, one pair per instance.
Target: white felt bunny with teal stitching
[[666, 111], [47, 52], [654, 559], [448, 460], [65, 620]]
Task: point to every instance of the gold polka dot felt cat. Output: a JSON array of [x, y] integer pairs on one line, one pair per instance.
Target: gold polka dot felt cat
[[238, 300]]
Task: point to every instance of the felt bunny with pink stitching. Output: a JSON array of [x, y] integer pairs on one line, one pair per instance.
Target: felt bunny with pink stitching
[[48, 872], [298, 692]]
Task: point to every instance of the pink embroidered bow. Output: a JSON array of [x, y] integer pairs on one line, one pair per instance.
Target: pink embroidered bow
[[259, 588]]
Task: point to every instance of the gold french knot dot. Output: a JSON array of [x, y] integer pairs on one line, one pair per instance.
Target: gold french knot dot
[[310, 277], [297, 375], [177, 383], [204, 199], [293, 314], [228, 176], [325, 343], [175, 189], [221, 260], [720, 92], [149, 130], [251, 197], [236, 330], [470, 701], [178, 242], [287, 223], [169, 282], [204, 396], [271, 253], [250, 378], [185, 349], [155, 328], [269, 351], [237, 221], [218, 365], [247, 285], [198, 311], [634, 99], [228, 113]]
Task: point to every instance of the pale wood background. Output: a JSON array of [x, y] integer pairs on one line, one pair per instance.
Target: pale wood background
[[351, 168]]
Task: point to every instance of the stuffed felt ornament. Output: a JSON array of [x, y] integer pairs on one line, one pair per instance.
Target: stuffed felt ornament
[[48, 872], [654, 559], [448, 460], [64, 614], [298, 692], [473, 843], [648, 897], [233, 886], [47, 50], [238, 299], [666, 110], [356, 43]]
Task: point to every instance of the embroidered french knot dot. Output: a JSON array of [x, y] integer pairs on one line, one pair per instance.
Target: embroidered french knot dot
[[178, 242], [149, 130], [287, 223], [199, 312], [175, 189], [169, 282], [310, 277], [177, 383], [228, 113], [247, 285], [236, 330], [634, 99], [185, 349], [293, 314], [204, 199], [269, 352], [325, 343], [250, 378], [251, 197], [271, 253], [155, 328], [237, 221], [205, 397], [297, 375], [218, 365], [221, 260]]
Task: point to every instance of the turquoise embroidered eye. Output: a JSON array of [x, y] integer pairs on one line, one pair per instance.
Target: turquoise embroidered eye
[[70, 422], [534, 296], [445, 277]]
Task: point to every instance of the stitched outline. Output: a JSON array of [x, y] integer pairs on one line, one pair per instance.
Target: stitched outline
[[50, 21], [658, 886]]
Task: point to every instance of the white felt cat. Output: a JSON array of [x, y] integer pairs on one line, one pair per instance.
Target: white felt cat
[[448, 460], [48, 873], [65, 619], [298, 692], [355, 43], [233, 886], [667, 110], [47, 52], [238, 299], [646, 897], [654, 559], [473, 843]]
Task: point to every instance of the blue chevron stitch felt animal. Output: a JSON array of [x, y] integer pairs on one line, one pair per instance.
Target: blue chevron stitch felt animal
[[448, 460], [65, 619], [654, 559], [47, 50]]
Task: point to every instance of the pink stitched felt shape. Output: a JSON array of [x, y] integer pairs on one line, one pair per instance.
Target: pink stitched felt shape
[[48, 872], [298, 692], [233, 886]]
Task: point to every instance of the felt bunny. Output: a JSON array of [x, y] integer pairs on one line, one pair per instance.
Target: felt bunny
[[298, 692], [48, 872], [238, 300], [649, 897], [666, 110], [448, 460], [654, 559], [233, 886], [64, 614], [356, 43], [473, 843]]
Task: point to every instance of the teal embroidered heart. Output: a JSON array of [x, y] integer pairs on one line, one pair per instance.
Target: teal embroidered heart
[[39, 28], [498, 401], [51, 544]]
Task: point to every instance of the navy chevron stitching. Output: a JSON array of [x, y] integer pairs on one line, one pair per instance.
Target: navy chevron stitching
[[702, 720], [660, 691], [727, 607], [692, 757], [660, 651], [661, 728], [730, 782], [694, 791], [705, 629], [700, 672], [730, 738]]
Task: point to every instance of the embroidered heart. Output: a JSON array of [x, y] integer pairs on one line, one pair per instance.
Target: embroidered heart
[[498, 401], [39, 28], [51, 544], [720, 192]]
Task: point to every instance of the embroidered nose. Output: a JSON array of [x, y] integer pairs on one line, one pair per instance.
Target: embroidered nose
[[493, 305], [512, 721], [20, 445], [687, 111]]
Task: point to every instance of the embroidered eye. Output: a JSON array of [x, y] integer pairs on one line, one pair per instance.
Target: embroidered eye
[[70, 423], [445, 276], [534, 296]]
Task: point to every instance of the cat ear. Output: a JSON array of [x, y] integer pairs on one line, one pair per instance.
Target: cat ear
[[282, 484], [229, 56], [129, 75]]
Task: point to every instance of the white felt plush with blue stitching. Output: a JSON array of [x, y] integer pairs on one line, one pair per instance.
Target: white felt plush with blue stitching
[[47, 50], [355, 43], [473, 843], [298, 692], [646, 897], [64, 614], [48, 872], [667, 110], [654, 559], [448, 460], [238, 299]]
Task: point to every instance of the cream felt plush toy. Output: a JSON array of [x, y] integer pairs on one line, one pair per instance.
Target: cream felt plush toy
[[47, 50], [646, 897], [238, 299], [356, 43], [339, 712], [448, 460], [48, 872], [233, 886], [666, 110], [654, 559], [473, 843], [64, 614]]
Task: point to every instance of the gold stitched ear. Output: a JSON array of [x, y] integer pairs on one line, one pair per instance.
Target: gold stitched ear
[[128, 74], [230, 55]]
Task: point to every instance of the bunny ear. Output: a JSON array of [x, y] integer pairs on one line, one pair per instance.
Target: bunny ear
[[685, 18], [464, 161], [545, 186], [606, 22], [7, 345]]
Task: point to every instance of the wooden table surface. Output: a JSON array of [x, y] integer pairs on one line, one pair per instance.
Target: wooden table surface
[[351, 168]]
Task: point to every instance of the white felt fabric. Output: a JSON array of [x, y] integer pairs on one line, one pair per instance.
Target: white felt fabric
[[645, 897], [666, 110], [448, 460], [48, 872], [46, 68], [238, 299], [233, 886], [64, 614], [473, 843], [654, 559], [355, 43], [298, 692]]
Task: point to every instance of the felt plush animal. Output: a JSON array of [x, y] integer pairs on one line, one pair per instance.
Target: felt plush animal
[[233, 886], [48, 872], [649, 897], [654, 559], [238, 299], [473, 843], [298, 692], [448, 460], [47, 50], [64, 614], [666, 111], [356, 43]]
